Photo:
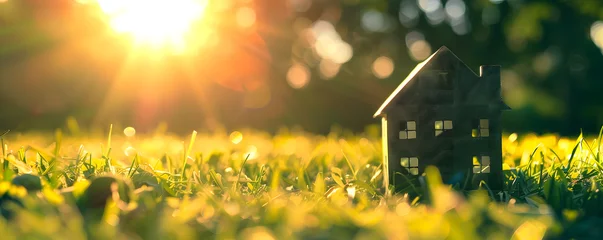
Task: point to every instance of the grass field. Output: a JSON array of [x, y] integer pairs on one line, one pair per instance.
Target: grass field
[[292, 185]]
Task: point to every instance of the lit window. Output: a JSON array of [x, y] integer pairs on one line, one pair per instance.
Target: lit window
[[408, 130], [481, 164], [442, 126], [410, 164], [481, 128]]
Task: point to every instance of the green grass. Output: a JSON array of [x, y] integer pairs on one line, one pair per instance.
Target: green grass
[[291, 185]]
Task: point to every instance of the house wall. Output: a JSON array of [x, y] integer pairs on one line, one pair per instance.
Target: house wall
[[452, 151]]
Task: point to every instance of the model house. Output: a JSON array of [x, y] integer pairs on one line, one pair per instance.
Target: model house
[[445, 115]]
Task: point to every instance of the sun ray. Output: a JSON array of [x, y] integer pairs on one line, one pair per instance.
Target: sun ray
[[114, 95], [158, 24]]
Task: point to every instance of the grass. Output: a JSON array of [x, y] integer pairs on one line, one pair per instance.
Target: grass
[[293, 185]]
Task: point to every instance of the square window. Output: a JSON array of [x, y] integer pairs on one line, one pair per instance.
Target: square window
[[412, 134], [403, 135], [442, 125], [414, 162], [484, 123], [411, 164], [408, 130], [411, 125], [481, 164], [485, 161], [480, 128], [403, 125], [439, 125], [475, 161]]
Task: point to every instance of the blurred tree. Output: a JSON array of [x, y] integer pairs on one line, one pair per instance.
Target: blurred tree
[[308, 63]]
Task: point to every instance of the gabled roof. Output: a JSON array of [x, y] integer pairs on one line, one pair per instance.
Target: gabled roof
[[442, 51], [411, 76]]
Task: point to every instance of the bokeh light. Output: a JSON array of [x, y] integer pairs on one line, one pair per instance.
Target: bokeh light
[[257, 233], [343, 53], [455, 9], [298, 75], [129, 132], [596, 33], [412, 37], [383, 67], [408, 14], [130, 151], [236, 137], [251, 152], [544, 63], [420, 50], [460, 26], [436, 17], [513, 137], [511, 80], [300, 5], [430, 6], [246, 17], [373, 21], [328, 43], [328, 69]]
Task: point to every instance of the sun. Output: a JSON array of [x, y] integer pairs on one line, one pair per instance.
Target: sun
[[155, 23]]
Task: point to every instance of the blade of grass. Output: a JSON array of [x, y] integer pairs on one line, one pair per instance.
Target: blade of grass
[[214, 177], [109, 140], [5, 174], [187, 153], [134, 161], [349, 164], [5, 132], [58, 135], [234, 187], [414, 188], [599, 165], [572, 155], [599, 143]]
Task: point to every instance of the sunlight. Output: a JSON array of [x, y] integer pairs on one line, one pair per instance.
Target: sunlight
[[157, 23]]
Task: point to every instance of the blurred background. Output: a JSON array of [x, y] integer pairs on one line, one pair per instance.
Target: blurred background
[[207, 64]]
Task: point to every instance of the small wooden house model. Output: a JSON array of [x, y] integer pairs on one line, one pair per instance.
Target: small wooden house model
[[444, 115]]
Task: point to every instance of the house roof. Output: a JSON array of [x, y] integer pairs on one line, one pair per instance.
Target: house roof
[[414, 72]]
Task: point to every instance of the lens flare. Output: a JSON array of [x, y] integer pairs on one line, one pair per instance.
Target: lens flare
[[158, 23]]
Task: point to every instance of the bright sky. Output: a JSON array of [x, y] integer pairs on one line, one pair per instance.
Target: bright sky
[[158, 23]]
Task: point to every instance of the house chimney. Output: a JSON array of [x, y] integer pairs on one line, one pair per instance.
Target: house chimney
[[491, 73]]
